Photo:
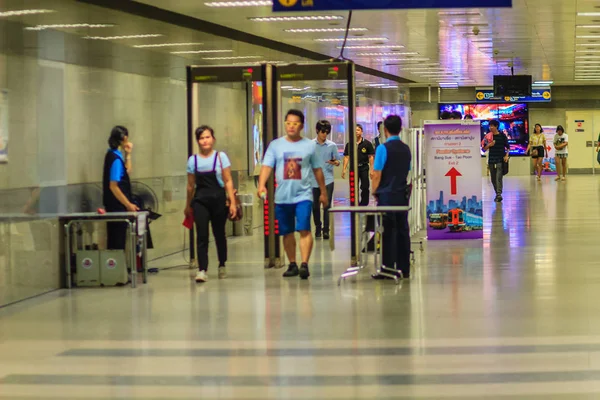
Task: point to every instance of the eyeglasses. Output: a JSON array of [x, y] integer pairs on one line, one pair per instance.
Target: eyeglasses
[[325, 131], [292, 123]]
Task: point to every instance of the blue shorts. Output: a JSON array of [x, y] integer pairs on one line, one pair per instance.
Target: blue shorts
[[293, 217]]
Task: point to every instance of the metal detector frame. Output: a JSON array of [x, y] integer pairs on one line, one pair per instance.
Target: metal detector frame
[[270, 76], [329, 71], [232, 74]]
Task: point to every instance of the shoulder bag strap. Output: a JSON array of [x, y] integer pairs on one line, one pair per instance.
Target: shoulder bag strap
[[214, 169]]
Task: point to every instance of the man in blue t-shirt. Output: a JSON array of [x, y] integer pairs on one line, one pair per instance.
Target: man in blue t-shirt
[[295, 161], [328, 154]]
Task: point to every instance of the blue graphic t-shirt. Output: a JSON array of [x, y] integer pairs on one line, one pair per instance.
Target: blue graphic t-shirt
[[293, 163]]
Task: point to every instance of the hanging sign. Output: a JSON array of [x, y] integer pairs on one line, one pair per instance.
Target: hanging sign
[[324, 5], [538, 95], [454, 191]]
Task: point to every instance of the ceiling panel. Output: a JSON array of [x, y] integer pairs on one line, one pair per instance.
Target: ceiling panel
[[538, 37]]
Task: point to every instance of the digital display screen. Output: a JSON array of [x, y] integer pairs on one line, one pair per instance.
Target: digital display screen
[[513, 119]]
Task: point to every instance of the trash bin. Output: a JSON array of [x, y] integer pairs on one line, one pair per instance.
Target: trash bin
[[88, 268], [113, 268], [244, 227]]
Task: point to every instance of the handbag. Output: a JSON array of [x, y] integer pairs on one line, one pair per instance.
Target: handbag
[[598, 157], [239, 211], [534, 153], [504, 167]]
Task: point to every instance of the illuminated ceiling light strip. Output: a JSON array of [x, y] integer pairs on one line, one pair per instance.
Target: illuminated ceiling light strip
[[543, 82], [588, 37], [353, 39], [232, 58], [373, 46], [314, 30], [587, 51], [587, 26], [261, 62], [201, 51], [408, 53], [458, 13], [448, 85], [144, 46], [67, 26], [587, 44], [243, 3], [595, 57], [430, 65], [149, 35], [297, 18], [18, 13], [423, 69], [402, 59], [588, 14]]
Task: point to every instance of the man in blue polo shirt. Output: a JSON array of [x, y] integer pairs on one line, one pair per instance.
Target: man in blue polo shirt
[[391, 188], [327, 153]]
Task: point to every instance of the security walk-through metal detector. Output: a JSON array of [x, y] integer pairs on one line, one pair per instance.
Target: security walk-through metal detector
[[320, 90], [323, 91], [212, 89]]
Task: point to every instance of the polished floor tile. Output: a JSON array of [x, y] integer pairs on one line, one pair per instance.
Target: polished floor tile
[[512, 316]]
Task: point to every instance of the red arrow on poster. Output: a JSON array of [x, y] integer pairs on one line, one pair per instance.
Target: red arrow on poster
[[453, 173]]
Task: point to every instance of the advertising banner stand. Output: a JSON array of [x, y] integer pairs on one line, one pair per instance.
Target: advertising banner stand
[[454, 184], [549, 163]]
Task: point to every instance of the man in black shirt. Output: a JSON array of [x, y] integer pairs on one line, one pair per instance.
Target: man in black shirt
[[365, 154], [498, 146]]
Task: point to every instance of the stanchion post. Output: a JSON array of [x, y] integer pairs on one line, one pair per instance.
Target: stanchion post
[[354, 233]]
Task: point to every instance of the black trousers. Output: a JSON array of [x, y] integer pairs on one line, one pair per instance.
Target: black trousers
[[116, 232], [363, 181], [496, 175], [396, 238], [317, 208], [210, 209], [116, 235]]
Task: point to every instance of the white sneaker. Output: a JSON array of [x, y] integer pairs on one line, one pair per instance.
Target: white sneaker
[[201, 276]]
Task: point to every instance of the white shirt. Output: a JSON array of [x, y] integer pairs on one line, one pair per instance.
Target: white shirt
[[558, 139]]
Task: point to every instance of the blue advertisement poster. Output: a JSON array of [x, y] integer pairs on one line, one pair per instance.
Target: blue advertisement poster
[[325, 5]]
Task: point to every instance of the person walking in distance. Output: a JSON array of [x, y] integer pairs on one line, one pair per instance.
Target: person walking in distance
[[537, 149], [365, 154], [561, 144], [380, 138], [328, 155], [391, 188], [498, 146], [209, 185], [295, 161]]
